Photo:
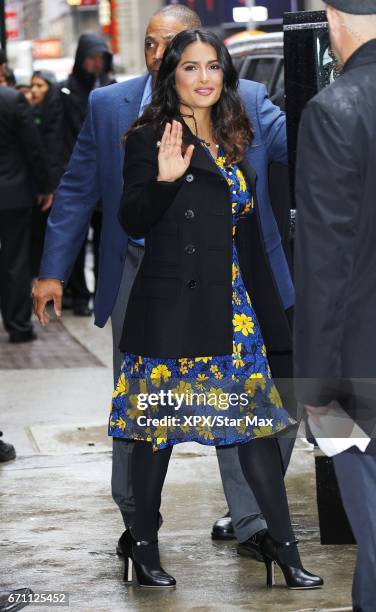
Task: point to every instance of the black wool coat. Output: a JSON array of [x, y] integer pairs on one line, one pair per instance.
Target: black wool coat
[[335, 265], [181, 301], [23, 166]]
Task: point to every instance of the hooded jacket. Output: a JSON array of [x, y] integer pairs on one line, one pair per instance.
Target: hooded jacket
[[76, 89]]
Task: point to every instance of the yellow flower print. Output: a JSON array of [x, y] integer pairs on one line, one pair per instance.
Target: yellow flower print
[[230, 181], [160, 433], [235, 272], [182, 388], [120, 423], [204, 359], [264, 430], [214, 368], [253, 382], [185, 428], [183, 370], [275, 397], [200, 380], [134, 412], [221, 161], [183, 361], [160, 374], [205, 432], [237, 356], [122, 386], [249, 205], [243, 324], [234, 205], [215, 397], [242, 183], [263, 350], [112, 422], [236, 298], [242, 427], [190, 363], [218, 375]]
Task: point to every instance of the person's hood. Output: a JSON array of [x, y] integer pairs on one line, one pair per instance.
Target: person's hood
[[89, 44]]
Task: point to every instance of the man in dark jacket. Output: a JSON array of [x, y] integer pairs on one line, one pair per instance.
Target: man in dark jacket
[[22, 168], [335, 325], [92, 68]]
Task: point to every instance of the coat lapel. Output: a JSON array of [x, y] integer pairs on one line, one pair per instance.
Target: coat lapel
[[200, 158], [128, 111]]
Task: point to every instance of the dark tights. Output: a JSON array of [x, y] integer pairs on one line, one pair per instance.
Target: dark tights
[[148, 474], [262, 467]]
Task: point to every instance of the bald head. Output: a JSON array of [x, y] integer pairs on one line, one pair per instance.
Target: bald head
[[181, 13], [348, 32], [164, 25]]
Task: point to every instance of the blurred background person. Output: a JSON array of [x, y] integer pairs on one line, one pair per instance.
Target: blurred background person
[[92, 68], [24, 87], [48, 116], [22, 163]]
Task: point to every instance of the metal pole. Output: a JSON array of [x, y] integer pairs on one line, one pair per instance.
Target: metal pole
[[2, 25]]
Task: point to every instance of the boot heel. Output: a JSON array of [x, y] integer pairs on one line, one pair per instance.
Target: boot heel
[[128, 573], [270, 577]]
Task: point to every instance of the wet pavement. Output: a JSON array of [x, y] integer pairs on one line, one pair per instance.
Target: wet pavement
[[59, 525]]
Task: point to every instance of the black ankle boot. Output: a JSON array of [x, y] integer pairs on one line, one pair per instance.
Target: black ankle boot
[[296, 576], [147, 576]]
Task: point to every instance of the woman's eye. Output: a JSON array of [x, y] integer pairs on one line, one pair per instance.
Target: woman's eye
[[149, 45], [215, 66], [190, 67]]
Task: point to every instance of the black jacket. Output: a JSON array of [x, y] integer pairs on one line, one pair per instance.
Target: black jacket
[[181, 300], [76, 89], [49, 119], [23, 168], [335, 271]]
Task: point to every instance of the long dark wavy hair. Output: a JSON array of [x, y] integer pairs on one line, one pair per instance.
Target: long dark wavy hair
[[232, 129]]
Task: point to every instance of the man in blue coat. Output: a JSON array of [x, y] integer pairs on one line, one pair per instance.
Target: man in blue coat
[[95, 172]]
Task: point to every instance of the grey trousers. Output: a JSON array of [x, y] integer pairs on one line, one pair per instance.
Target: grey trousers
[[245, 512], [356, 475]]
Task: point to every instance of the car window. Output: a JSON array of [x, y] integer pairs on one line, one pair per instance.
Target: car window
[[280, 79], [262, 70], [238, 62]]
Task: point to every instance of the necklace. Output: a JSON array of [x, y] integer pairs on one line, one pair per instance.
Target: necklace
[[206, 143]]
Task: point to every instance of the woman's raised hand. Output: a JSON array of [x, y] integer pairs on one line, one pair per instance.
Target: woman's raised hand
[[171, 162]]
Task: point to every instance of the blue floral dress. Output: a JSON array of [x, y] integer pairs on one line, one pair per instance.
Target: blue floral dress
[[216, 400]]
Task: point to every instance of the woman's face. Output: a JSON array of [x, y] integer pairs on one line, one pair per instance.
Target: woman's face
[[39, 88], [198, 76]]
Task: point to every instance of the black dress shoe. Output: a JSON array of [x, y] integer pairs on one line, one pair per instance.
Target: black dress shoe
[[7, 452], [82, 311], [11, 601], [223, 529], [251, 547], [18, 337]]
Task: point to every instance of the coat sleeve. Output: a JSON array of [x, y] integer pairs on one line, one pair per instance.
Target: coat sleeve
[[272, 123], [32, 148], [327, 193], [54, 138], [144, 199], [75, 200]]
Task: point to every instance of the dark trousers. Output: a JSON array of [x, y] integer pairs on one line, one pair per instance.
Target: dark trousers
[[15, 299], [38, 231], [356, 475], [76, 286]]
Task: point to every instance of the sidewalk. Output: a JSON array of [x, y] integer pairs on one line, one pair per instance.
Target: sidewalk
[[59, 525]]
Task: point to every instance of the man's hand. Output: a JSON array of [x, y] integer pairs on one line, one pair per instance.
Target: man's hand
[[45, 201], [46, 290], [315, 412]]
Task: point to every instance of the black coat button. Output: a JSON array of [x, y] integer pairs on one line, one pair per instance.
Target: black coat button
[[191, 284], [190, 249], [189, 178], [189, 214]]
